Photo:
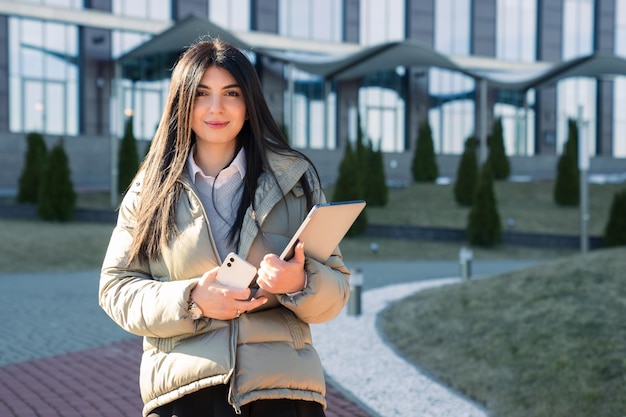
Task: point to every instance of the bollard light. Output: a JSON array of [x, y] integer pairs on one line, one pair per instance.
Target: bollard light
[[356, 284], [465, 262]]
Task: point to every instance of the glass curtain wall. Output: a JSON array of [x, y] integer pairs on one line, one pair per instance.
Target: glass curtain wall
[[73, 4], [578, 94], [451, 114], [619, 89], [310, 107], [143, 97], [516, 26], [232, 14], [382, 109], [43, 72]]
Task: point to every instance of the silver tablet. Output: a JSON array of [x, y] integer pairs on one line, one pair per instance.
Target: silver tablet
[[323, 228]]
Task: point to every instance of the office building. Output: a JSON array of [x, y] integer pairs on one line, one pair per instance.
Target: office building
[[74, 69]]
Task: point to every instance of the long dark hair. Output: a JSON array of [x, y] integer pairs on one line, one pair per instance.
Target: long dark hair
[[165, 162]]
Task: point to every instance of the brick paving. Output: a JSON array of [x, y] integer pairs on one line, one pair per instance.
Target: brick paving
[[67, 359]]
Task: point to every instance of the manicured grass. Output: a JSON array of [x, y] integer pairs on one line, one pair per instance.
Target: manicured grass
[[33, 245], [545, 341], [529, 204]]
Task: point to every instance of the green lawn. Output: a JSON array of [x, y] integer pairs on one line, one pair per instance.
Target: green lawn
[[548, 341]]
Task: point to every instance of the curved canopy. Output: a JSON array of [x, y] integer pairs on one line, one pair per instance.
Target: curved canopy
[[382, 57]]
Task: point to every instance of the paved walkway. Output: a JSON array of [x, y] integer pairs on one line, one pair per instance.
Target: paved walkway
[[61, 356]]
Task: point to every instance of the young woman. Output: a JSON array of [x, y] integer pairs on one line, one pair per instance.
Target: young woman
[[220, 177]]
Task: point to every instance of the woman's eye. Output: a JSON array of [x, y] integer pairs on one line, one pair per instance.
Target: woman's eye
[[200, 93], [232, 94]]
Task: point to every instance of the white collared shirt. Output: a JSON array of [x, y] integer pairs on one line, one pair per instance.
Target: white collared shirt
[[220, 196]]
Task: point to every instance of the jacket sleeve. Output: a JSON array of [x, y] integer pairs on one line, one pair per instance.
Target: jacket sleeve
[[328, 284], [132, 297], [326, 293]]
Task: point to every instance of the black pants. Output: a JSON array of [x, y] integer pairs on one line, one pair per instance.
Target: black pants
[[213, 402]]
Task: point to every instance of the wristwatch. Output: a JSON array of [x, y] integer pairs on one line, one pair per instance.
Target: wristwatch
[[194, 310]]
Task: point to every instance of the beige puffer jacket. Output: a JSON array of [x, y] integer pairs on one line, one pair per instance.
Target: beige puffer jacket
[[262, 355]]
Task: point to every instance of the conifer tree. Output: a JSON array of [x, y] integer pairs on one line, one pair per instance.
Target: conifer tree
[[497, 153], [424, 165], [349, 186], [484, 228], [567, 186], [375, 187], [34, 160], [615, 229], [57, 198], [467, 174], [128, 162]]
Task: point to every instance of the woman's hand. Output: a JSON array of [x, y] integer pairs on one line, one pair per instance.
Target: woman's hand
[[282, 277], [222, 303]]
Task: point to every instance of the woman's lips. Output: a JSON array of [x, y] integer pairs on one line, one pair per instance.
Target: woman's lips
[[216, 125]]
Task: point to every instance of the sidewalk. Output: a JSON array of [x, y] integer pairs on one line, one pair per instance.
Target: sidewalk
[[61, 356]]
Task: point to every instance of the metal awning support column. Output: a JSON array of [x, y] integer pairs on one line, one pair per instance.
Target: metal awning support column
[[118, 120], [327, 109], [483, 120], [291, 89]]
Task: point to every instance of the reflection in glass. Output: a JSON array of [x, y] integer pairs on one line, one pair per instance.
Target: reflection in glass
[[619, 84], [579, 93], [232, 14], [44, 73], [311, 19], [516, 41], [451, 114]]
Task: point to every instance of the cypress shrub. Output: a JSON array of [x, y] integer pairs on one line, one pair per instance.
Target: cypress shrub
[[567, 184], [467, 174], [375, 187], [497, 154], [424, 164], [57, 198], [349, 186], [128, 161], [615, 229], [484, 228], [28, 190]]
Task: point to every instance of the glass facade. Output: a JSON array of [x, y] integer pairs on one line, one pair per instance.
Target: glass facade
[[43, 77], [232, 14], [516, 40], [619, 85], [311, 104], [45, 72], [577, 96], [382, 109], [451, 114]]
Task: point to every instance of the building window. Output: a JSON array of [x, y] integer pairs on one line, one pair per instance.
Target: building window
[[516, 41], [43, 77], [619, 85], [232, 14], [577, 96], [310, 110], [73, 4], [381, 21], [144, 9], [451, 114], [318, 20], [382, 110]]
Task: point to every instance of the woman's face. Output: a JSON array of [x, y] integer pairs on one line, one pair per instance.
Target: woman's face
[[219, 108]]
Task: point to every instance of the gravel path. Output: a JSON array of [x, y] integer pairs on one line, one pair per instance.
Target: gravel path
[[355, 357]]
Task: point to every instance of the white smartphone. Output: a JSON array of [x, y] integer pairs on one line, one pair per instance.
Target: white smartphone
[[236, 272]]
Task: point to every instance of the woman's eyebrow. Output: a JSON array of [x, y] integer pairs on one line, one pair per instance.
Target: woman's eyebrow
[[223, 88]]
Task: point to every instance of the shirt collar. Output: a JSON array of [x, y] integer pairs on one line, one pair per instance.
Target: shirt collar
[[238, 166]]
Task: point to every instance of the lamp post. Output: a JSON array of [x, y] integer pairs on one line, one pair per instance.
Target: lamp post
[[583, 166]]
